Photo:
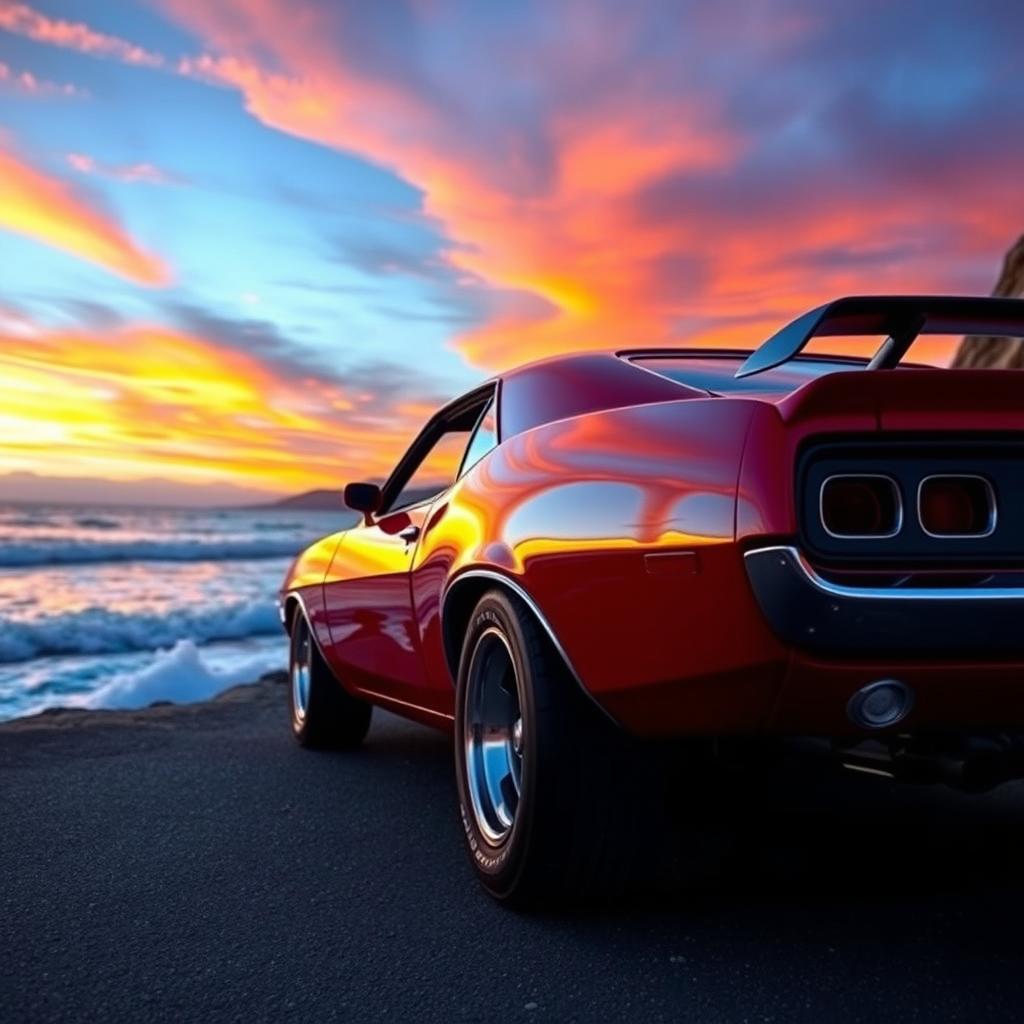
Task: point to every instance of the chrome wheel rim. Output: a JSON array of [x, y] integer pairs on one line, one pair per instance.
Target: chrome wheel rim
[[493, 737], [300, 671]]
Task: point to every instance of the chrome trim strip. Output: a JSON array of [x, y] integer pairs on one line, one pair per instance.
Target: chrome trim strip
[[861, 476], [532, 605], [384, 700], [794, 556], [993, 511]]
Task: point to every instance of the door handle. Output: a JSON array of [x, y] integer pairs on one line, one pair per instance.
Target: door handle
[[409, 534]]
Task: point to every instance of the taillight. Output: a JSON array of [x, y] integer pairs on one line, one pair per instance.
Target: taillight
[[956, 506], [860, 506]]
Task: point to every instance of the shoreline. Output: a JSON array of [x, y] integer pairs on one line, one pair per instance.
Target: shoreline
[[161, 714]]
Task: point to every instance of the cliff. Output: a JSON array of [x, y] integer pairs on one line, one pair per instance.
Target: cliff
[[985, 352]]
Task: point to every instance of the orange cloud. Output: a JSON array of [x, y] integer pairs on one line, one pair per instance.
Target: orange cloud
[[553, 245], [576, 258], [49, 211], [22, 20], [146, 400], [580, 262]]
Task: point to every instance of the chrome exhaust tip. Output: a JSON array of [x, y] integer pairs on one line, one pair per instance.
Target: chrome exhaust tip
[[880, 704]]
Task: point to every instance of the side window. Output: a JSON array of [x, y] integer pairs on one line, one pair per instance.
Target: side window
[[436, 470], [485, 437]]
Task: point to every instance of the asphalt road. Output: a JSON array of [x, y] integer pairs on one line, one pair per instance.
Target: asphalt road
[[193, 864]]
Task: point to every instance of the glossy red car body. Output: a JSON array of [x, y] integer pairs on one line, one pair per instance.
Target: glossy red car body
[[659, 532]]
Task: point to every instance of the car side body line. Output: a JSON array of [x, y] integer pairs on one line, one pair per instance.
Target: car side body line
[[400, 707]]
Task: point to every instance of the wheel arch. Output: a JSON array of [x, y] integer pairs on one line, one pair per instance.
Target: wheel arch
[[461, 597], [295, 605], [291, 604]]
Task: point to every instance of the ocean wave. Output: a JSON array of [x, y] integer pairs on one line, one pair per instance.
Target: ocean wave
[[179, 675], [17, 554], [100, 631], [97, 523], [28, 522]]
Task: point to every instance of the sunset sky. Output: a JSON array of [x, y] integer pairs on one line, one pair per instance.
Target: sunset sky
[[251, 244]]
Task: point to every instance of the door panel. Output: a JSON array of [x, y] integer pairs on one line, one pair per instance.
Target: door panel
[[375, 640], [367, 596]]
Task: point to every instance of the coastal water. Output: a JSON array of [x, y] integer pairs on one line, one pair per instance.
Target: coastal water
[[118, 607]]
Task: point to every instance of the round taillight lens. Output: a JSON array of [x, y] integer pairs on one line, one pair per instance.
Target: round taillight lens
[[956, 506], [860, 506]]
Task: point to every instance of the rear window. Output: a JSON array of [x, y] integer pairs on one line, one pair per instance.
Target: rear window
[[716, 373], [574, 385]]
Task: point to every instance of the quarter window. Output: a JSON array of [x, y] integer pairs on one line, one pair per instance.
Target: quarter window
[[436, 471], [485, 437]]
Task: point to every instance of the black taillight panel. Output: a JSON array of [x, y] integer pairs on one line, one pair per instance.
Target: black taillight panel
[[957, 505], [860, 506], [913, 499]]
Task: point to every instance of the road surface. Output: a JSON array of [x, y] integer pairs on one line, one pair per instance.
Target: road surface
[[192, 864]]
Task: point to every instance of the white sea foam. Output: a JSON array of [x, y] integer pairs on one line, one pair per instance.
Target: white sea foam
[[102, 631], [93, 596], [30, 552], [179, 675]]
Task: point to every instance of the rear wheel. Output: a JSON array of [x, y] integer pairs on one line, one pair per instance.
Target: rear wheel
[[323, 715], [543, 778]]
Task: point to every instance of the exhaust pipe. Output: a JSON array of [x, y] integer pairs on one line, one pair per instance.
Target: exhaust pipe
[[974, 764], [880, 704]]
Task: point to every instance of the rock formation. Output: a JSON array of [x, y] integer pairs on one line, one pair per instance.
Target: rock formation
[[995, 352]]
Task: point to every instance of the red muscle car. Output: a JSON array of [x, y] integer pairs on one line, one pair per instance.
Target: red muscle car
[[689, 544]]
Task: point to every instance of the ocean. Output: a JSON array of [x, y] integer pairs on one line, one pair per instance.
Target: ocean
[[120, 607]]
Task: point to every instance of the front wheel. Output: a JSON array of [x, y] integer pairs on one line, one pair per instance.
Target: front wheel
[[323, 714], [542, 776]]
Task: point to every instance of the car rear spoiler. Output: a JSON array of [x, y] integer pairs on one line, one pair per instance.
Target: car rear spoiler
[[900, 317]]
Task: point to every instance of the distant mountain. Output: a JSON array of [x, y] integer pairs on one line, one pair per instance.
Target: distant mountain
[[318, 501], [33, 488]]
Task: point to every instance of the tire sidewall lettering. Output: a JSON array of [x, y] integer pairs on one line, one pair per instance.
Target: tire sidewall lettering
[[492, 863]]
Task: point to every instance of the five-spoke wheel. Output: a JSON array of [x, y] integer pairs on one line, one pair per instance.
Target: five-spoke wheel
[[493, 736], [537, 767]]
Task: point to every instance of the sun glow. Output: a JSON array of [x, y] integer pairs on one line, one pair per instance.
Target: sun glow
[[144, 401]]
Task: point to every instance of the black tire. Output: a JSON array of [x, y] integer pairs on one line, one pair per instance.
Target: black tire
[[569, 838], [332, 719]]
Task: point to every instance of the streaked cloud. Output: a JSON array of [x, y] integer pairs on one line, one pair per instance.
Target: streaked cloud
[[50, 211], [488, 183], [145, 173], [74, 35], [140, 398], [635, 175]]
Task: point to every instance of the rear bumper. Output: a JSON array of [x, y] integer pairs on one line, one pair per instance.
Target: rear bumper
[[813, 614]]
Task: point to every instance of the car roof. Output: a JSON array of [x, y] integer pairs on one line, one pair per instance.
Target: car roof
[[563, 386]]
